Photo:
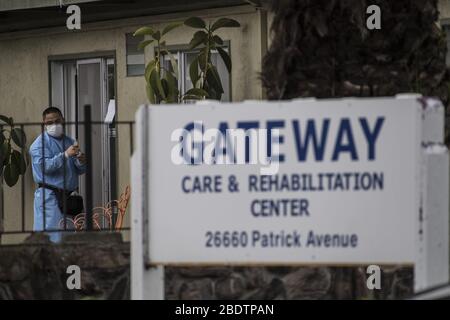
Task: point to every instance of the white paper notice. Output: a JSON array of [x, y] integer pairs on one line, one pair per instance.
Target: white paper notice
[[111, 111]]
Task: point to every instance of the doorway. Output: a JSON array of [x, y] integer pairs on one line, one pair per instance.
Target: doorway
[[75, 83]]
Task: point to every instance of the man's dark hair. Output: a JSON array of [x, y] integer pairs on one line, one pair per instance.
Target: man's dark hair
[[51, 110]]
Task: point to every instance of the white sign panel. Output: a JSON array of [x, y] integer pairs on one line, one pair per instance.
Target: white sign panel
[[343, 186]]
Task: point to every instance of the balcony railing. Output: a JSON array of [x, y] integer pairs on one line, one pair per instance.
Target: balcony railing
[[102, 144]]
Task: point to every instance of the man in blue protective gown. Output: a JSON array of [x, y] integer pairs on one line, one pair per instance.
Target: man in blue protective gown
[[49, 153]]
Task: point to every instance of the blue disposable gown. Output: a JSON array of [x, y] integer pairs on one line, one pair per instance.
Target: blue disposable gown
[[52, 156]]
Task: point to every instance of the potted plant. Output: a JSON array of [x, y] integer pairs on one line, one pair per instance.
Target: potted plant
[[162, 84], [13, 156]]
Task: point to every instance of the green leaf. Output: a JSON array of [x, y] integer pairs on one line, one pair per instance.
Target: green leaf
[[195, 22], [155, 82], [213, 79], [157, 35], [165, 86], [3, 153], [192, 97], [172, 83], [150, 93], [11, 174], [193, 72], [198, 38], [202, 59], [144, 43], [226, 58], [218, 40], [5, 119], [212, 93], [19, 161], [216, 76], [225, 23], [152, 81], [143, 31], [197, 92], [19, 137], [171, 26], [148, 69], [5, 150]]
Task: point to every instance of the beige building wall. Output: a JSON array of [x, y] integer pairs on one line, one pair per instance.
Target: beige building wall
[[24, 80], [444, 9]]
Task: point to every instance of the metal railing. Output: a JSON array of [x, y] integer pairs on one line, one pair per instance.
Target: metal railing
[[108, 133]]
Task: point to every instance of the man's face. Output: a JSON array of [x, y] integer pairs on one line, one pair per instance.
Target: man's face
[[53, 118]]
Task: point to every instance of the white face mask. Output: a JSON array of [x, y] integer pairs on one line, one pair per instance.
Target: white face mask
[[55, 130]]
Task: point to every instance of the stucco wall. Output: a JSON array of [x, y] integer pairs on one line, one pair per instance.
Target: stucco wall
[[444, 9], [24, 81], [37, 270]]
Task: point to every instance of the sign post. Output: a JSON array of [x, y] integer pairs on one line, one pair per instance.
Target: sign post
[[304, 182]]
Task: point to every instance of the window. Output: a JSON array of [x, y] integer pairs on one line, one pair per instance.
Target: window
[[135, 57], [184, 57]]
